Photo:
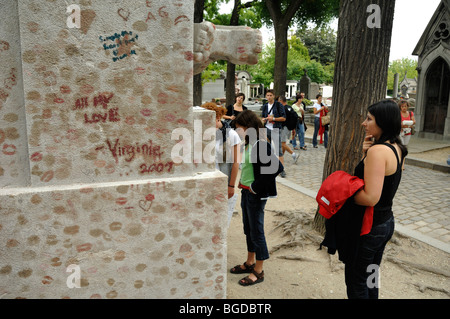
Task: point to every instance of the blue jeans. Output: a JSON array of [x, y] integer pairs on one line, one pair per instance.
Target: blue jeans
[[277, 139], [370, 252], [316, 131], [253, 219], [300, 130]]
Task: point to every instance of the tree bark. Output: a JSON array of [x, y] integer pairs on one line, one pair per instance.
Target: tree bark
[[281, 55], [281, 21], [199, 6], [360, 79]]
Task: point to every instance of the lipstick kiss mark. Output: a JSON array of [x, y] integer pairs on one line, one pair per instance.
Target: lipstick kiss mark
[[47, 176], [9, 149], [146, 112], [180, 19], [36, 157], [121, 201]]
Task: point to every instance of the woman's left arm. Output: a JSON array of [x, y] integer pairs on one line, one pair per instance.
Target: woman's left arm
[[374, 172], [234, 170]]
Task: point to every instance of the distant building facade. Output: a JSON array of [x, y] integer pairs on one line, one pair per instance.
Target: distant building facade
[[243, 84]]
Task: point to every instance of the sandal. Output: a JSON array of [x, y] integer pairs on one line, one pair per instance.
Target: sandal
[[246, 281], [238, 269]]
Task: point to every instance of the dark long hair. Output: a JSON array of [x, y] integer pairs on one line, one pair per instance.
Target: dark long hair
[[249, 119], [388, 118], [298, 97]]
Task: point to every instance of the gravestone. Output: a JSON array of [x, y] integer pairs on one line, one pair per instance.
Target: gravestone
[[314, 90], [395, 92], [305, 85], [94, 201]]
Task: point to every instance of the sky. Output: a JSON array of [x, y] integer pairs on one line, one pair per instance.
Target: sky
[[411, 17]]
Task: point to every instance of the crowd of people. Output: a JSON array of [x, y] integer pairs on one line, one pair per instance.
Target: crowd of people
[[255, 145]]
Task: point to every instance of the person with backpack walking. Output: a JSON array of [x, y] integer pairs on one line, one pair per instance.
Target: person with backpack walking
[[288, 125]]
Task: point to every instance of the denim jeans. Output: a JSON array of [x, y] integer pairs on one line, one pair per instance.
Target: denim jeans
[[316, 132], [370, 252], [300, 130], [277, 139], [253, 219]]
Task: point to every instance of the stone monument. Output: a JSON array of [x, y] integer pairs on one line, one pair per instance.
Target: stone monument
[[395, 92], [94, 202], [305, 86]]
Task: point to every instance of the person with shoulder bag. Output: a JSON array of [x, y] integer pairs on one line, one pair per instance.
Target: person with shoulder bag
[[319, 108], [408, 122], [299, 106]]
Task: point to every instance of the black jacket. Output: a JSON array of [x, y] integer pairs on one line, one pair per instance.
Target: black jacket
[[266, 167], [278, 111], [343, 231]]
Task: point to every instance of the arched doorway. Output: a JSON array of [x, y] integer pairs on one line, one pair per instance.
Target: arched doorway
[[436, 96]]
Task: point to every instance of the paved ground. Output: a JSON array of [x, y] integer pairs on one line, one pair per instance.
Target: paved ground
[[421, 205]]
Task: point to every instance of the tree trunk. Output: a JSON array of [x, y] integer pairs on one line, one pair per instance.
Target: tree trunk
[[230, 83], [281, 56], [360, 79], [281, 21], [231, 68], [198, 89], [199, 6]]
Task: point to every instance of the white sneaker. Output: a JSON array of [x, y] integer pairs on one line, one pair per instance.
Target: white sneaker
[[295, 157]]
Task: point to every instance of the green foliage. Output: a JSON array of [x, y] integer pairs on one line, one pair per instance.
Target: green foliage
[[320, 12], [263, 71], [318, 73], [211, 9], [321, 43], [297, 50], [247, 16], [213, 71], [401, 67], [298, 61], [308, 102]]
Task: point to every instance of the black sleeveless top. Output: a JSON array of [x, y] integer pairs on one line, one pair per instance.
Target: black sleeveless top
[[383, 209]]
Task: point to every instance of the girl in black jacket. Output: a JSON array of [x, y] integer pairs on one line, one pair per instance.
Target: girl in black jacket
[[259, 170]]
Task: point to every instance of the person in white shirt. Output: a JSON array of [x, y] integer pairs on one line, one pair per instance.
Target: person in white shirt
[[227, 151], [317, 108]]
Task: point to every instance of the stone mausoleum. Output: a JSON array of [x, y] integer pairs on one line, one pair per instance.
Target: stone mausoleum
[[433, 90]]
